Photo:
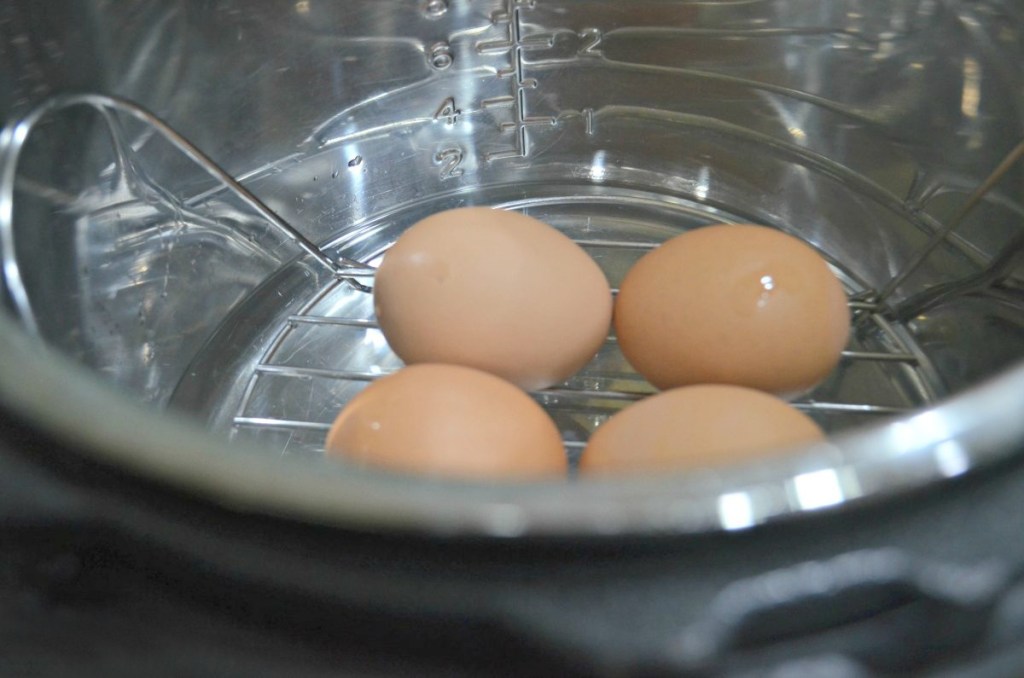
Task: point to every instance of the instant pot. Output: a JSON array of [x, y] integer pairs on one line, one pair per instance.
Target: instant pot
[[193, 198]]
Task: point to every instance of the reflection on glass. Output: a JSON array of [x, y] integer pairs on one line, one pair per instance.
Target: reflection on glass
[[735, 511], [818, 489], [970, 98], [375, 339], [921, 430], [951, 458], [597, 167], [703, 184]]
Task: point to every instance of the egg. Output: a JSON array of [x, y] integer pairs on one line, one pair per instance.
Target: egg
[[693, 427], [732, 304], [448, 421], [495, 290]]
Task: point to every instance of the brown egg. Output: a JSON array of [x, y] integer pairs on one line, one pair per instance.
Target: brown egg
[[696, 426], [495, 290], [733, 304], [452, 421]]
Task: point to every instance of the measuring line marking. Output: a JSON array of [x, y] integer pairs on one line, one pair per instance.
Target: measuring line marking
[[514, 44]]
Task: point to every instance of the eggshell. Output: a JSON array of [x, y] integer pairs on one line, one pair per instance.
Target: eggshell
[[695, 426], [447, 420], [733, 304], [495, 290]]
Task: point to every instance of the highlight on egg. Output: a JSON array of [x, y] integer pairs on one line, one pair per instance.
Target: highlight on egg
[[733, 304], [494, 290], [696, 427], [448, 421]]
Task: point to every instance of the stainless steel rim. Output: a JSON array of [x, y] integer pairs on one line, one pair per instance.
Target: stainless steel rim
[[970, 430]]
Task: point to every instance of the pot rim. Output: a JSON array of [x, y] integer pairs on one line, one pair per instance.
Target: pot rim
[[981, 425]]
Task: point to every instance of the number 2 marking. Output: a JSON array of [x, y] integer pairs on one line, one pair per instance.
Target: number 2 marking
[[590, 38], [449, 159]]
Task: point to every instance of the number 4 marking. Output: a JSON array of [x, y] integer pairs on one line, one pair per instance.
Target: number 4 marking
[[448, 112]]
